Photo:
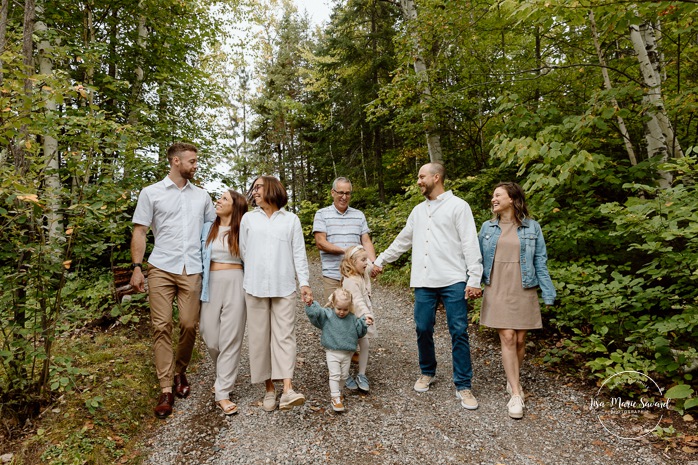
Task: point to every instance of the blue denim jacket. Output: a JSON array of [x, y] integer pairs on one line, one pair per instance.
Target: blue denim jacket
[[534, 256], [206, 257]]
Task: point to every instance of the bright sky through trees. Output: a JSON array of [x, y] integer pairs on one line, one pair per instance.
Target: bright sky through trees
[[319, 10]]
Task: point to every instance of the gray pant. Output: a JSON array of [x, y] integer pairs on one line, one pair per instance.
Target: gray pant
[[222, 326]]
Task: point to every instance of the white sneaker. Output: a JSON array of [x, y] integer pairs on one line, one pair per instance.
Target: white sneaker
[[422, 384], [290, 399], [515, 407], [521, 392], [467, 399]]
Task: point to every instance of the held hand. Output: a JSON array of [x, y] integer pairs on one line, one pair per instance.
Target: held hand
[[473, 292], [137, 280], [376, 270], [369, 320], [306, 295]]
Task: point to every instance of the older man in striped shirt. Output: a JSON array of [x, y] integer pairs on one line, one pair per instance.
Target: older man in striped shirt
[[337, 227]]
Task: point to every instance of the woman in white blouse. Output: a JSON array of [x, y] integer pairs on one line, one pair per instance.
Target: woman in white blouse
[[273, 249], [222, 322]]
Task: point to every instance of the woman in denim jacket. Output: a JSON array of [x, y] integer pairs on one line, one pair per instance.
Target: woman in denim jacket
[[223, 310], [515, 266]]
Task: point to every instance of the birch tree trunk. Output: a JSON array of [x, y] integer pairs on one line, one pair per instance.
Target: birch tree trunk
[[420, 67], [660, 137], [51, 177], [138, 84], [607, 84]]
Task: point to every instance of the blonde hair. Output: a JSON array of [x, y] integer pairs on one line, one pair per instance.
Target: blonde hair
[[347, 267], [341, 295]]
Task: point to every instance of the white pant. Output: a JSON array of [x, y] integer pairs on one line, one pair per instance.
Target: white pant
[[222, 326], [338, 362]]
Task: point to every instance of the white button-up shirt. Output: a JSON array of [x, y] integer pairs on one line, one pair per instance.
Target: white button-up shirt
[[273, 250], [176, 217], [443, 238]]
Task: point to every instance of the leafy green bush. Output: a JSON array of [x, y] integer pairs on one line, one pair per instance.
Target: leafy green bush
[[623, 252]]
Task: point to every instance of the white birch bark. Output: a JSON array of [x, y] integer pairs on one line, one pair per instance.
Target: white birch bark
[[420, 68], [138, 84], [654, 94], [607, 83], [52, 179]]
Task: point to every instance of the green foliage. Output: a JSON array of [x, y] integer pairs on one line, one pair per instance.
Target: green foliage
[[306, 213], [112, 102]]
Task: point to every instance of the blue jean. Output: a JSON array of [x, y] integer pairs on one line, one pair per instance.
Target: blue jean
[[453, 298]]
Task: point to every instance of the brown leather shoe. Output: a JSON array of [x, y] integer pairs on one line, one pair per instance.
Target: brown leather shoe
[[164, 407], [181, 386]]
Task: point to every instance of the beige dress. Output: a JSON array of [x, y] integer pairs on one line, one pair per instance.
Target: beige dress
[[506, 304]]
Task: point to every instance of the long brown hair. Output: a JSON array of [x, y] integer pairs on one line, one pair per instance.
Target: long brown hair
[[239, 204], [518, 200]]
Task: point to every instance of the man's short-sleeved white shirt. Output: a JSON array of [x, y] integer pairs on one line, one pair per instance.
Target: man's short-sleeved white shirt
[[176, 217]]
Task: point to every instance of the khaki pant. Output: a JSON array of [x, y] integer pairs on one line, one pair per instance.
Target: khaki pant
[[163, 287], [271, 333], [222, 327], [329, 285]]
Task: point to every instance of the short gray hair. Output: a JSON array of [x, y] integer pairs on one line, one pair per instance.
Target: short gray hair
[[340, 179]]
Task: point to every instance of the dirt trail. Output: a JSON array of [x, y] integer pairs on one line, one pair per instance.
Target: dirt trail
[[394, 424]]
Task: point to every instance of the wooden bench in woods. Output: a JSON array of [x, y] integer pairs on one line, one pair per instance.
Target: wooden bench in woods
[[122, 277]]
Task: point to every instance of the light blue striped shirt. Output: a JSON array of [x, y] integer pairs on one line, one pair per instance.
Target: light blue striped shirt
[[343, 230]]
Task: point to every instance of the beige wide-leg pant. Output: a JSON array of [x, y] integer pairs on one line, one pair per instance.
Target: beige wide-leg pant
[[271, 333], [222, 327]]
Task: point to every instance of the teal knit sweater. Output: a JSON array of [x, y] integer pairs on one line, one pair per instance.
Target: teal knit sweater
[[337, 333]]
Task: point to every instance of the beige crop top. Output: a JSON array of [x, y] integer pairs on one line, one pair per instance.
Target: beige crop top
[[219, 251]]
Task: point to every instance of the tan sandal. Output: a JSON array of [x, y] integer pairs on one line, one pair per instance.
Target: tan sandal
[[228, 409]]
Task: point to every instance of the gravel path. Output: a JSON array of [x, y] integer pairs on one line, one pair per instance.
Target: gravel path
[[393, 424]]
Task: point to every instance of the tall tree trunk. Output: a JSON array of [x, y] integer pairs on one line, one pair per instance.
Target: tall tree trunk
[[660, 134], [607, 83], [21, 163], [139, 74], [378, 150], [420, 67], [4, 7], [539, 65], [55, 237], [20, 146], [52, 179]]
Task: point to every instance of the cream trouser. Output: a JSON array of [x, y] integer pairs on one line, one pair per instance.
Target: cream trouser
[[271, 331], [222, 327], [338, 362]]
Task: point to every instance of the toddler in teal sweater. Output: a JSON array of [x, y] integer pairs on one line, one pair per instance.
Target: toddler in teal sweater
[[341, 330]]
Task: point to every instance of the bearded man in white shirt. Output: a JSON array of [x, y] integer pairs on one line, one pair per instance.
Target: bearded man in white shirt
[[175, 210], [446, 266]]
